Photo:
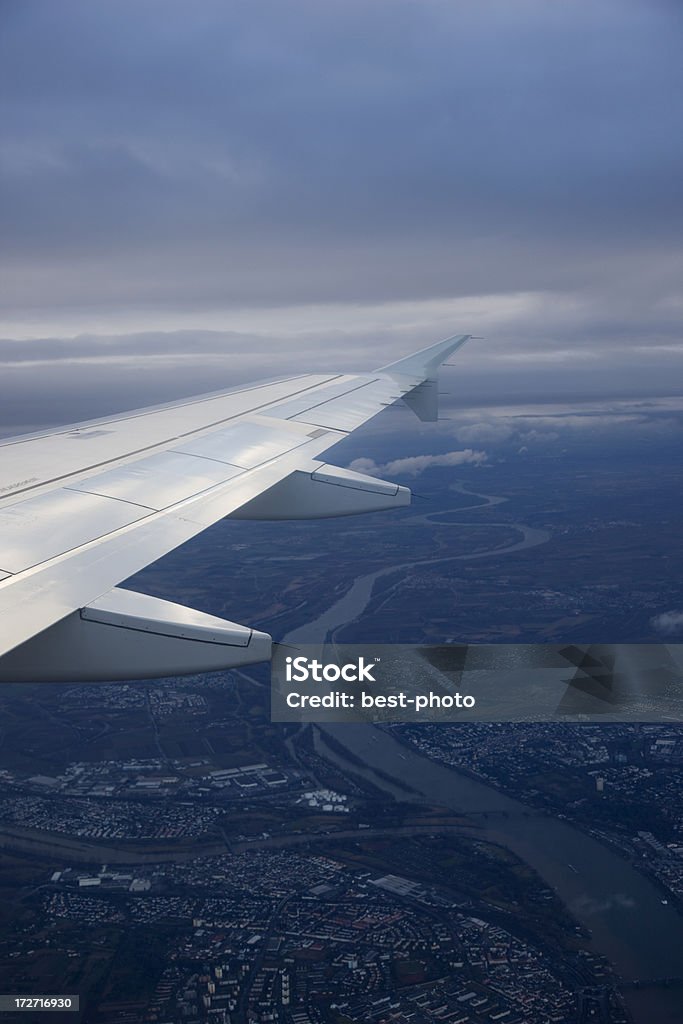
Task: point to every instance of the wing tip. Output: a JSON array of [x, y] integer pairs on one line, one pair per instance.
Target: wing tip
[[427, 360]]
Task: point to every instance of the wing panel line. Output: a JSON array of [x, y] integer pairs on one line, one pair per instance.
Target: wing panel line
[[134, 414], [163, 445]]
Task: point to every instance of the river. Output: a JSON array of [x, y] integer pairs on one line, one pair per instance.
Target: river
[[630, 925], [623, 909]]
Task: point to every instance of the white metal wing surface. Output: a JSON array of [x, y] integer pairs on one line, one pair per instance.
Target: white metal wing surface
[[83, 508]]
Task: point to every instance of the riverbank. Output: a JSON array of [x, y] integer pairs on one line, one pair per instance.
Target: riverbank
[[621, 908]]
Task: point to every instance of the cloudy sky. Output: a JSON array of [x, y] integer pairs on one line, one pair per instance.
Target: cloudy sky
[[199, 193]]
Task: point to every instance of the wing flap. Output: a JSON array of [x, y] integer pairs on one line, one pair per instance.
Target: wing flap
[[247, 444], [53, 524], [159, 481]]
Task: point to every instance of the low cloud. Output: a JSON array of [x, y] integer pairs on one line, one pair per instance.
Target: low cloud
[[491, 432], [413, 465], [527, 426], [539, 437], [668, 623]]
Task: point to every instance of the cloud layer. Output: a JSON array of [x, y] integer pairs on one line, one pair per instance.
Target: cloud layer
[[347, 179], [414, 465]]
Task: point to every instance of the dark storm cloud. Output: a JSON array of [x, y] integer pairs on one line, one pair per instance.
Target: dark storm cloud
[[173, 158]]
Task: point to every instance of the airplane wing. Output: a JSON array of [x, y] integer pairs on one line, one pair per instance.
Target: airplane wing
[[84, 507]]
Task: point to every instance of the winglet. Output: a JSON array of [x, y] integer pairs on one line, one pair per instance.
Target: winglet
[[425, 363], [416, 376]]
